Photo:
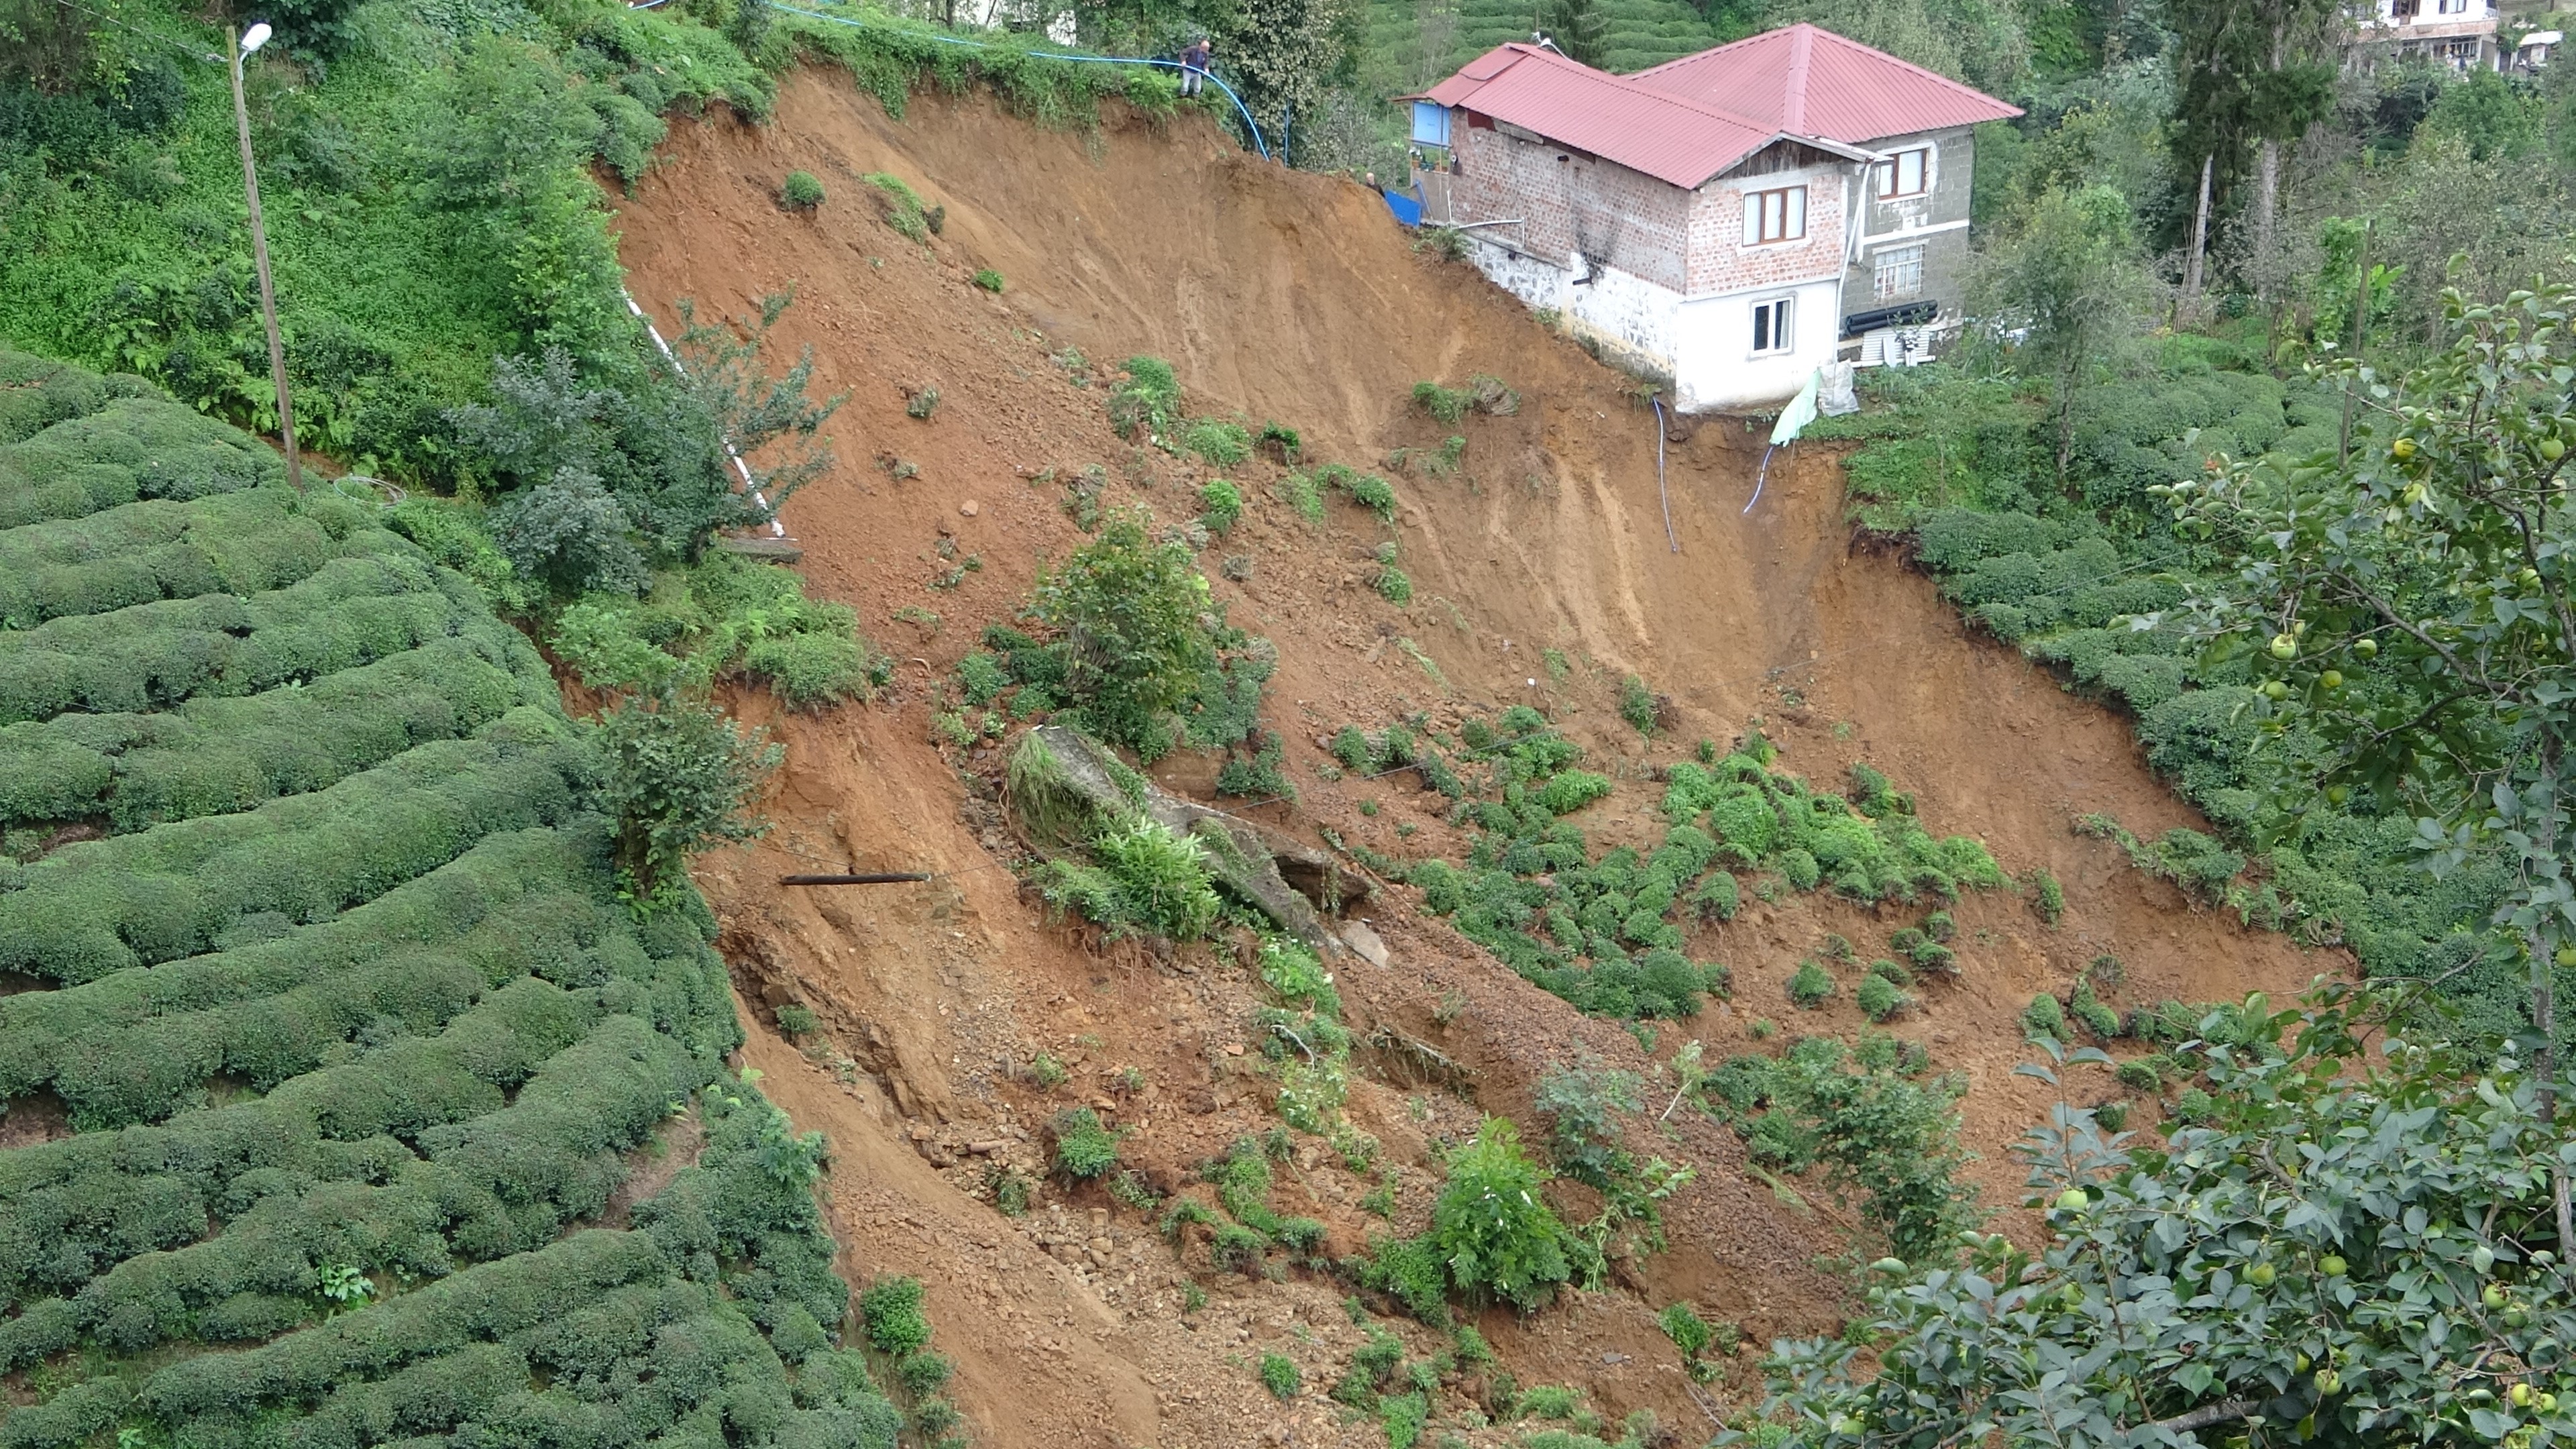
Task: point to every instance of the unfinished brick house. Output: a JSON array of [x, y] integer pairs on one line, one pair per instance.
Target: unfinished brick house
[[1729, 221]]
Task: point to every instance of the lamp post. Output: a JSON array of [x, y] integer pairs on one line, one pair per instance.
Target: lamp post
[[243, 45]]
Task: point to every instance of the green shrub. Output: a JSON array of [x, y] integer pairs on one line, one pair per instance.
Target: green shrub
[[1490, 1224], [1133, 611], [1221, 506], [801, 192], [2044, 1017], [891, 1310], [1146, 406], [1281, 1376], [1147, 878], [1810, 985], [678, 778], [1571, 790], [1394, 585], [1717, 898], [1084, 1150], [1637, 705], [988, 279], [1878, 997]]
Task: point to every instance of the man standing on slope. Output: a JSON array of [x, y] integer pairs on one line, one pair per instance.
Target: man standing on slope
[[1194, 64]]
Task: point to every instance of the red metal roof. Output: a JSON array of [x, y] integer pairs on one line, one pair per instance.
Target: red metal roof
[[1666, 133], [1802, 79]]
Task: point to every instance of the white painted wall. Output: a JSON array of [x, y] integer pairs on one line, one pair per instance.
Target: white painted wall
[[1717, 370], [1702, 346]]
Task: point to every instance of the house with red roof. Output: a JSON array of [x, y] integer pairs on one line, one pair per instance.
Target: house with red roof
[[1730, 221]]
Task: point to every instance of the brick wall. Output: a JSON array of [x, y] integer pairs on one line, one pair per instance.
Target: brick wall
[[1612, 215], [1721, 262]]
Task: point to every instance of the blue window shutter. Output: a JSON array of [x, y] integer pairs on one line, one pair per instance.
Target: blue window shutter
[[1430, 123]]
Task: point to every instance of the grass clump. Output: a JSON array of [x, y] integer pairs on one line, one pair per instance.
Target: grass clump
[[1367, 490], [989, 280], [1879, 998], [1218, 441], [1638, 705], [1446, 404], [800, 191], [900, 205]]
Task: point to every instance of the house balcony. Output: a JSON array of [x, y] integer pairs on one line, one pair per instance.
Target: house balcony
[[2460, 32]]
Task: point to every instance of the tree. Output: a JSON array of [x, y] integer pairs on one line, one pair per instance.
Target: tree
[[680, 777], [1284, 54], [2348, 1251], [1139, 628], [2248, 77], [2414, 609], [1579, 28], [2067, 270]]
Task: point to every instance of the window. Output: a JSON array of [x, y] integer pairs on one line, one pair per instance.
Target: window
[[2402, 10], [1775, 216], [1907, 173], [2454, 7], [1771, 326], [1899, 273], [1430, 123]]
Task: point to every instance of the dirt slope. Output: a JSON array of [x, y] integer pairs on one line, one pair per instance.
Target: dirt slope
[[1293, 297]]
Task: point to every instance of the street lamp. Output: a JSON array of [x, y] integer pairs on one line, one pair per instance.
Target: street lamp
[[243, 45]]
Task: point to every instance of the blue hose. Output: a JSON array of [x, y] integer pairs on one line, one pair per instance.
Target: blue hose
[[1239, 106]]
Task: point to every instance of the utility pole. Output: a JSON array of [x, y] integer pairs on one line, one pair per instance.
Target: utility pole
[[242, 45]]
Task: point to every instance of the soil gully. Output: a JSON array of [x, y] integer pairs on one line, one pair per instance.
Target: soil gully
[[1292, 297]]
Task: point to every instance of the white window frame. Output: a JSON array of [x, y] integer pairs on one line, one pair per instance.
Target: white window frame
[[1775, 216], [1904, 262], [1891, 174], [2452, 7], [1775, 324]]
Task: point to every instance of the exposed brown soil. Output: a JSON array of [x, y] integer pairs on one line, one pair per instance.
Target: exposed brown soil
[[1294, 297]]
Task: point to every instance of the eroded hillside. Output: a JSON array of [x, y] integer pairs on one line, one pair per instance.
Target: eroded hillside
[[1541, 574]]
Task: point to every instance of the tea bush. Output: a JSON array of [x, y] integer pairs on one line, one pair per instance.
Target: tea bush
[[356, 1036], [800, 191]]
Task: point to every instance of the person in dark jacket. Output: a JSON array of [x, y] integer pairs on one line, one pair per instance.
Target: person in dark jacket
[[1194, 64]]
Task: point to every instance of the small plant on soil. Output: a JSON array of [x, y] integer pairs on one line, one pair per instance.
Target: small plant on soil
[[988, 279], [1220, 442], [1281, 441], [796, 1020], [2046, 896], [900, 205], [1084, 1150], [921, 403], [1691, 1334], [1637, 707], [1447, 404], [1045, 1072], [800, 191], [1281, 1376], [1220, 506]]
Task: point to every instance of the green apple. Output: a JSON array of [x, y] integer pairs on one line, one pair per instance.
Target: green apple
[[2367, 648], [2331, 679], [2493, 1297], [2261, 1275], [2285, 646], [2521, 1396], [2333, 1265], [2073, 1200], [2552, 449]]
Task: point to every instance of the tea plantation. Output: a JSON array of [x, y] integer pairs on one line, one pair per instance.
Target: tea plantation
[[327, 1045]]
